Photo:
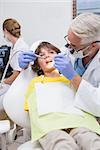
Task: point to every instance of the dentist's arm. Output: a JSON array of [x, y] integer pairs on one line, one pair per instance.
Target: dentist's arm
[[76, 81], [87, 96]]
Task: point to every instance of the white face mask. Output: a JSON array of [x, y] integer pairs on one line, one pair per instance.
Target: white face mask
[[81, 53]]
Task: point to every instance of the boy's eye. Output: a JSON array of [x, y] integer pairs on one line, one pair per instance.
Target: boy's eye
[[52, 52], [41, 54]]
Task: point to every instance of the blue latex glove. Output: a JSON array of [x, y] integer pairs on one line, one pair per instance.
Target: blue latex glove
[[25, 58], [64, 65]]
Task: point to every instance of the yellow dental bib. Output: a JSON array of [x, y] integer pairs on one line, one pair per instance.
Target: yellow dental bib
[[50, 104]]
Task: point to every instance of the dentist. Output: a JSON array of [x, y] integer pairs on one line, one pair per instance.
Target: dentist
[[83, 41]]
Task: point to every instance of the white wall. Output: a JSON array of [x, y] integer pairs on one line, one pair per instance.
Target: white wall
[[44, 19]]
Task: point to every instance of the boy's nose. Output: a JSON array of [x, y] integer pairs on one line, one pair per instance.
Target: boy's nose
[[46, 56]]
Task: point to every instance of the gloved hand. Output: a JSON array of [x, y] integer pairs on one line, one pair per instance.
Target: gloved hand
[[25, 58], [64, 65]]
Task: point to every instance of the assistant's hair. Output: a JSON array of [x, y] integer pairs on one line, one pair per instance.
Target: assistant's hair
[[13, 27], [36, 68], [87, 27]]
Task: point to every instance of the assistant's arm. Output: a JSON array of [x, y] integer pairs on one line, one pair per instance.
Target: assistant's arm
[[10, 79]]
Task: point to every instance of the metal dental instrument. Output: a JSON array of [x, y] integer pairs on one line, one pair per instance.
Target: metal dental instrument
[[43, 57]]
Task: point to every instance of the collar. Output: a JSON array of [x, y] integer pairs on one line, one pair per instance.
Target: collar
[[79, 67]]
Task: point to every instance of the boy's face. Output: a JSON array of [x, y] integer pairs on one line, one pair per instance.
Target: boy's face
[[46, 62]]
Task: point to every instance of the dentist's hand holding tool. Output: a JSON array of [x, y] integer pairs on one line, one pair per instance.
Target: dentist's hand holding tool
[[25, 58]]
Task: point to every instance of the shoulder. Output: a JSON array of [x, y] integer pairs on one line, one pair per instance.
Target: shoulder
[[21, 45], [34, 80]]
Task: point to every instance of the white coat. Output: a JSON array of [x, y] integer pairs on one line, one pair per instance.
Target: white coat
[[88, 94]]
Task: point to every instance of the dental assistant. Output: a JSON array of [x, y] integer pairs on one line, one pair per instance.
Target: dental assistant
[[12, 34]]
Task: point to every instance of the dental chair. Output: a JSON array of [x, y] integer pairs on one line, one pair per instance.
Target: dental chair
[[14, 105], [29, 146], [4, 128], [14, 102]]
